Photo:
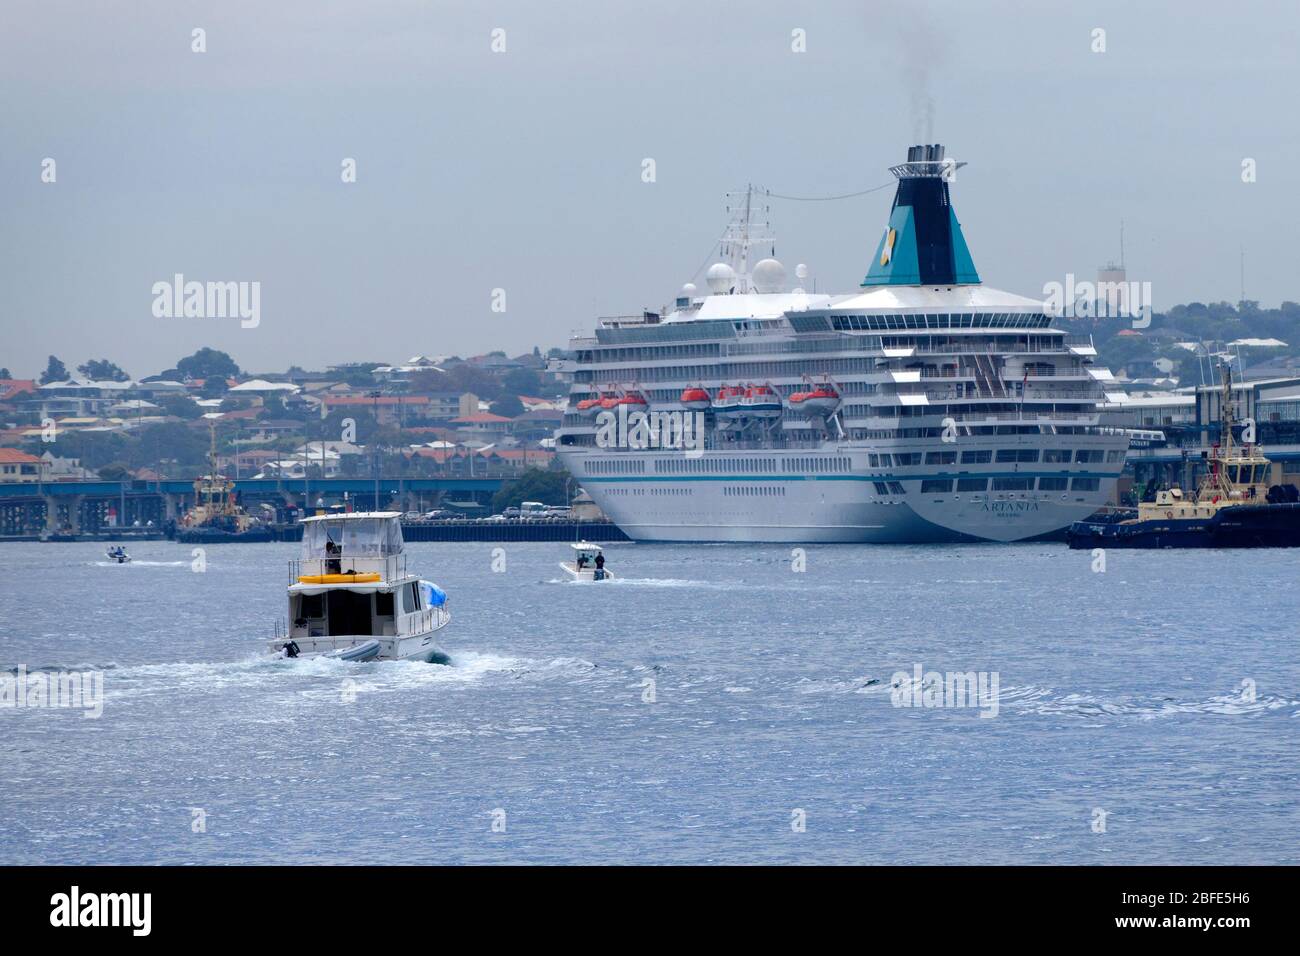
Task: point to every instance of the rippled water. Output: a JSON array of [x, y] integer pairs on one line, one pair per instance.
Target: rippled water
[[1164, 693]]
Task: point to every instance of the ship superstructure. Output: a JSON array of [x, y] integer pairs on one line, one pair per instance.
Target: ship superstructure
[[924, 407]]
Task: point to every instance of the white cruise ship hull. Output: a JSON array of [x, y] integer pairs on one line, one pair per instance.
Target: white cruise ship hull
[[835, 508]]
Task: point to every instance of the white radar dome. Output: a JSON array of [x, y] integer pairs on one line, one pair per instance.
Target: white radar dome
[[721, 278], [801, 271], [689, 290], [768, 275]]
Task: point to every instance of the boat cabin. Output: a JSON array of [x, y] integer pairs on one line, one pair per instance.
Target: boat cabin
[[356, 610], [1234, 478], [360, 543]]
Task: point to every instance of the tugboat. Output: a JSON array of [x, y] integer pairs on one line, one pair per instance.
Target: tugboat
[[216, 517], [352, 597], [1234, 507]]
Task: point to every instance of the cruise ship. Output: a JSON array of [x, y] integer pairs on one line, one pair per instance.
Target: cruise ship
[[924, 407]]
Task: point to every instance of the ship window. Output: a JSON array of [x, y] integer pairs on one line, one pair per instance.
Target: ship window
[[1056, 455], [313, 605], [1085, 484], [1052, 484], [941, 458], [412, 597], [972, 484], [1006, 455], [384, 603], [976, 457], [908, 458], [1088, 454], [1013, 484], [896, 487], [881, 487], [936, 485]]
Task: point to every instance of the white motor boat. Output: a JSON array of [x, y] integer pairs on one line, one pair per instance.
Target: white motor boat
[[351, 595], [118, 555], [588, 563]]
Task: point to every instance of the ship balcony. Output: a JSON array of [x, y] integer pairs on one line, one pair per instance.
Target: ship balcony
[[1030, 417], [1080, 373], [971, 393], [987, 348]]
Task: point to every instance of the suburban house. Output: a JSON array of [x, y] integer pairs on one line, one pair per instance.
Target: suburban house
[[18, 466]]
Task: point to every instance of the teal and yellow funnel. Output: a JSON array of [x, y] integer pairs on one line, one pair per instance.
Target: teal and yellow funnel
[[924, 244]]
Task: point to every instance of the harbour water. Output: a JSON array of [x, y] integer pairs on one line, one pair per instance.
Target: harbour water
[[711, 705]]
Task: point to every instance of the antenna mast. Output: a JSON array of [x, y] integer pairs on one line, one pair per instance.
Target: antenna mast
[[743, 233]]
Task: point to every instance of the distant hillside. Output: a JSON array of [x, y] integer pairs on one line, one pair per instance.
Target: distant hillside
[[1121, 347]]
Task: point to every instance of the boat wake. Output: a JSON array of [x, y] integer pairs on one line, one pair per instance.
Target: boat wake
[[136, 563], [1030, 700], [316, 677], [1043, 702]]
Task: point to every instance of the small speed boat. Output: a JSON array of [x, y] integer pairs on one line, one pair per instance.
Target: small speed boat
[[118, 555], [588, 563]]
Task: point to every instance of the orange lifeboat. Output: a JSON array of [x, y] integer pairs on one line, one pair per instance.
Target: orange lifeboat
[[588, 407], [761, 401], [696, 399], [823, 399], [633, 402], [727, 404]]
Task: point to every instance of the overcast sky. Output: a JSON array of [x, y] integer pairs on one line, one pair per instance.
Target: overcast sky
[[522, 170]]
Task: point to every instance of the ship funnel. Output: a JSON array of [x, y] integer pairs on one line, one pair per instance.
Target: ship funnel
[[923, 244]]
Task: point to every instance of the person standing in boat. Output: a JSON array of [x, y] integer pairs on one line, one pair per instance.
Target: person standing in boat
[[333, 561], [600, 565]]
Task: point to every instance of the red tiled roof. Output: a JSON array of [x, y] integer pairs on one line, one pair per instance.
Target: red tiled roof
[[13, 387], [12, 456]]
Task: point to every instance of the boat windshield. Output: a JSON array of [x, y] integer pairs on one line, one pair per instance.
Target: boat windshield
[[355, 537]]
